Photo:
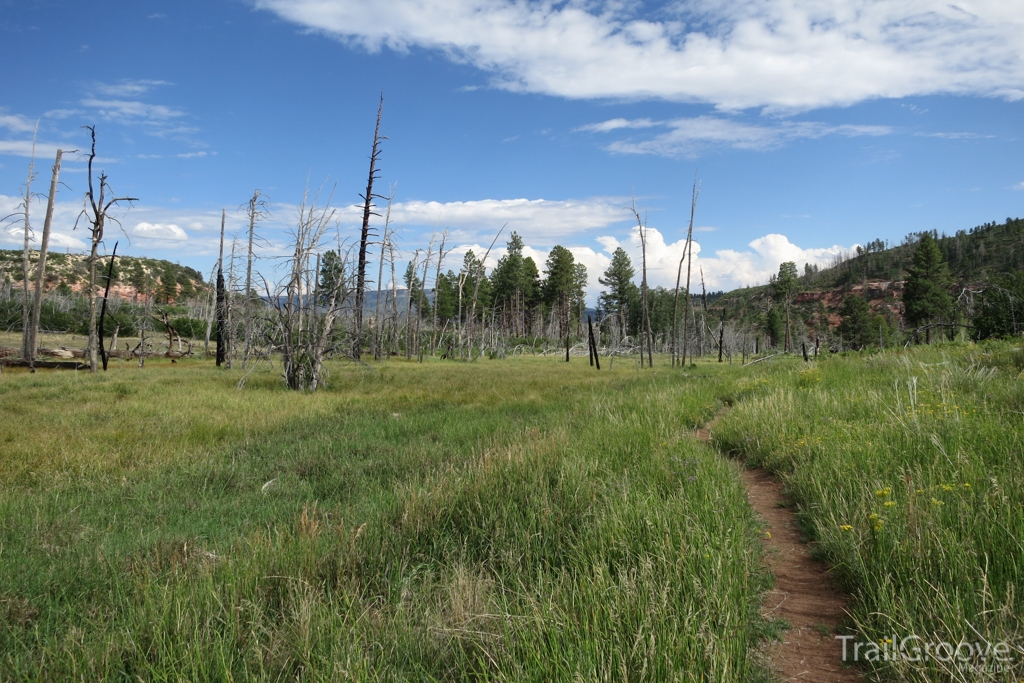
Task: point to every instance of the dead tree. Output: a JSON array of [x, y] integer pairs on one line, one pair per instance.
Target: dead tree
[[423, 295], [305, 315], [96, 212], [257, 209], [437, 278], [103, 309], [688, 255], [37, 299], [229, 346], [645, 311], [222, 317], [476, 289], [26, 352], [378, 326], [364, 236]]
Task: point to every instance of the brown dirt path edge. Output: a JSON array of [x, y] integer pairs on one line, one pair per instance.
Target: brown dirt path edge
[[804, 594]]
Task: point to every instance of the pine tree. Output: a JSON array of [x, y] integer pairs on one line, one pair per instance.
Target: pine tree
[[855, 327], [783, 287], [926, 298], [621, 292], [560, 284]]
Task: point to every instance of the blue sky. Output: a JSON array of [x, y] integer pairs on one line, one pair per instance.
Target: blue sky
[[813, 126]]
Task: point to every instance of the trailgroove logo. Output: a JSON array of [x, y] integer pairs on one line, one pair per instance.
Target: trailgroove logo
[[964, 655]]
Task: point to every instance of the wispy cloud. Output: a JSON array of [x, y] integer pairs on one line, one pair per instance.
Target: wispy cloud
[[127, 88], [689, 136], [122, 103], [130, 111], [1019, 186], [780, 54], [616, 124], [16, 123], [954, 136], [23, 148]]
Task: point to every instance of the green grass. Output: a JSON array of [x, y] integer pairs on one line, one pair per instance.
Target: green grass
[[907, 470], [501, 520]]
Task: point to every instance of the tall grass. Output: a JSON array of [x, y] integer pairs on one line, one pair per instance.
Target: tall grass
[[515, 520], [907, 470]]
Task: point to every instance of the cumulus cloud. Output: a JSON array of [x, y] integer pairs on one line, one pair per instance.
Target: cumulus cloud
[[542, 221], [735, 54], [158, 231], [727, 269]]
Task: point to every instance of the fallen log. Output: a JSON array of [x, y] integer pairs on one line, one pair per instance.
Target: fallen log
[[44, 364]]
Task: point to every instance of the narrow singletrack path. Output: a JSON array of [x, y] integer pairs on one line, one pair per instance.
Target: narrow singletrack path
[[804, 594]]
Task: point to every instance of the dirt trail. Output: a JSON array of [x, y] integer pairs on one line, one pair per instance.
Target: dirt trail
[[804, 594]]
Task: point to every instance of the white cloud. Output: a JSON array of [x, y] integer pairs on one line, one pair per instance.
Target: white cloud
[[541, 221], [1019, 186], [61, 114], [954, 136], [735, 54], [158, 231], [616, 124], [727, 269], [16, 123], [130, 111], [688, 136], [127, 88], [23, 148], [192, 155]]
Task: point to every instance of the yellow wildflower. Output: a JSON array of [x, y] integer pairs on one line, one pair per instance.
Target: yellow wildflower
[[936, 501], [846, 527], [889, 503]]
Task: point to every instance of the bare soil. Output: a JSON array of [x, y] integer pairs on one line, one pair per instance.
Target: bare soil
[[805, 595]]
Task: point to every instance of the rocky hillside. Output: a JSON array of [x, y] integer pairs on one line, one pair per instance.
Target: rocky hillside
[[877, 272], [135, 278]]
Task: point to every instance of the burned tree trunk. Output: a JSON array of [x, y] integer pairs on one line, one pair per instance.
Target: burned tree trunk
[[103, 310], [99, 207], [364, 236], [221, 304]]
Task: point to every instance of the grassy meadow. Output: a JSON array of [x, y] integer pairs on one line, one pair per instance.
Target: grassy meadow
[[505, 520], [501, 520], [908, 470]]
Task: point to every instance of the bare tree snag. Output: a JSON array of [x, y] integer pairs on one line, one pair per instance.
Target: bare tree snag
[[689, 265], [476, 289], [44, 245], [437, 278], [103, 310], [99, 206], [221, 304], [256, 210], [26, 351], [593, 344], [646, 314], [364, 236], [378, 327]]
